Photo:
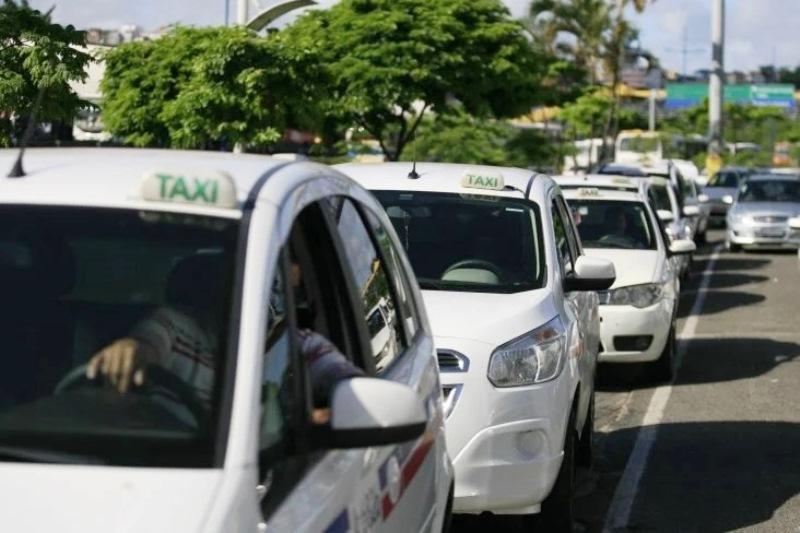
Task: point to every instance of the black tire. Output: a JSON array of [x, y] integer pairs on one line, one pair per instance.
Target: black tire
[[558, 509], [586, 443], [732, 247], [661, 370], [701, 238], [447, 524]]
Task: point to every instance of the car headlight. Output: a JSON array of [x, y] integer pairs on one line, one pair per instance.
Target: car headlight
[[639, 296], [741, 219], [532, 358]]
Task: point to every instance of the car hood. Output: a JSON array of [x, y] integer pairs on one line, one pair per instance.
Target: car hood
[[485, 317], [92, 499], [789, 209], [633, 267]]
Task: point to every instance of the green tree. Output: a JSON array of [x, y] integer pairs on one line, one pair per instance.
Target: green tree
[[194, 87], [37, 55], [386, 63], [458, 137]]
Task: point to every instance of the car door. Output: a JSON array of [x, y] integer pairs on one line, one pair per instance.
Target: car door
[[585, 304], [407, 475]]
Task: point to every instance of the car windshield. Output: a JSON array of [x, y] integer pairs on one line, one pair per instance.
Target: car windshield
[[614, 224], [468, 242], [724, 179], [78, 280], [770, 191]]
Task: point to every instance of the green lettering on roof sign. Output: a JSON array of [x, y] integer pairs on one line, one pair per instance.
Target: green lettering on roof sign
[[481, 181], [204, 188]]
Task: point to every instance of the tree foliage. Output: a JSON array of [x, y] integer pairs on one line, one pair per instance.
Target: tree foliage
[[386, 63], [197, 87], [458, 137], [35, 55]]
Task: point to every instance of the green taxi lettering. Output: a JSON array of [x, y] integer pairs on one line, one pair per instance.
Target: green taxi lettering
[[483, 181], [178, 187]]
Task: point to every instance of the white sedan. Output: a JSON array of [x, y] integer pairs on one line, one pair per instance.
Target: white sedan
[[616, 222]]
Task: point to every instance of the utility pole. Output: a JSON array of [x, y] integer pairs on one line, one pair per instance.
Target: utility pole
[[242, 15], [716, 83]]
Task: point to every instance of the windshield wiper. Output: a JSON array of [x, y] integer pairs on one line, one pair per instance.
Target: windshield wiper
[[35, 455]]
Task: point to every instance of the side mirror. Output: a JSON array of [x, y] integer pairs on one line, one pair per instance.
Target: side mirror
[[665, 216], [374, 412], [691, 210], [682, 246], [728, 199], [591, 274]]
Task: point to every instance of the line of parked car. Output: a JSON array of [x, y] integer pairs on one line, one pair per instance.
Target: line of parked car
[[370, 347]]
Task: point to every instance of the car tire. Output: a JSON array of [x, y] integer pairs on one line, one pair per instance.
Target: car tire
[[732, 247], [701, 238], [447, 523], [558, 509], [661, 369], [586, 442]]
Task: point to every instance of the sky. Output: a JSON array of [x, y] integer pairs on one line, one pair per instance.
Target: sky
[[757, 32]]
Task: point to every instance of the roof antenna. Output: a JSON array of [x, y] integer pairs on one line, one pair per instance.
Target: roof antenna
[[17, 171], [413, 175]]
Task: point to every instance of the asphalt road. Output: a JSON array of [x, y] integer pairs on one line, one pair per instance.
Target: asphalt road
[[719, 448], [724, 438]]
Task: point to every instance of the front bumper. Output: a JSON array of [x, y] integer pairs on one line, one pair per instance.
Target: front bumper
[[506, 443], [764, 236], [628, 321]]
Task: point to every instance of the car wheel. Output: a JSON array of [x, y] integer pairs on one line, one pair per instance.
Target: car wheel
[[701, 238], [732, 247], [558, 509], [586, 442], [661, 368]]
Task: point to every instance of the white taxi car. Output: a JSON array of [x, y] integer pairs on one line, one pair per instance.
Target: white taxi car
[[616, 222], [514, 312], [234, 284]]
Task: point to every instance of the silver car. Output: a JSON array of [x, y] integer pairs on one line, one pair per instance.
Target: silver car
[[765, 214], [719, 192]]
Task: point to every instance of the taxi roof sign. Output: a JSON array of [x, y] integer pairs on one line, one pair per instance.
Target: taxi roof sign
[[471, 180], [588, 191], [206, 188]]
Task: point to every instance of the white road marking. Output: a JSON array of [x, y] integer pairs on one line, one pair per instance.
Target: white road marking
[[619, 511]]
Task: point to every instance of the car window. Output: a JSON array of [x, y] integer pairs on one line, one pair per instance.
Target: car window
[[561, 241], [724, 179], [371, 274], [614, 224], [770, 191], [77, 282], [659, 196], [396, 273], [568, 217], [468, 243]]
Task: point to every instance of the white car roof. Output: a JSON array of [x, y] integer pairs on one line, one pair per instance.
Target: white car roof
[[442, 177], [111, 177], [599, 181]]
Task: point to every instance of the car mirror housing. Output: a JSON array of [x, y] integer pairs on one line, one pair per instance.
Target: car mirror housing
[[590, 274], [682, 246], [691, 210], [665, 216], [369, 412], [728, 199]]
